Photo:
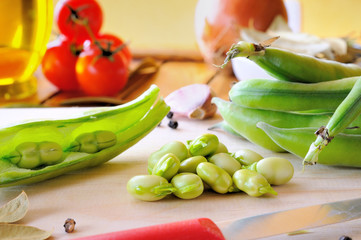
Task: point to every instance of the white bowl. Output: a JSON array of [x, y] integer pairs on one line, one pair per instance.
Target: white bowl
[[244, 69]]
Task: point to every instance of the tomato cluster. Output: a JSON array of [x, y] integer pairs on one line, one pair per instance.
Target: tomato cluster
[[83, 58]]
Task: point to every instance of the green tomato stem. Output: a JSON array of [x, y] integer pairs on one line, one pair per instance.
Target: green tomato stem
[[85, 23]]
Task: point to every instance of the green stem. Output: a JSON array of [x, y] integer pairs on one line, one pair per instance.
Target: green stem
[[346, 112], [84, 22], [241, 49], [268, 189], [165, 189], [188, 188], [246, 49], [90, 32]]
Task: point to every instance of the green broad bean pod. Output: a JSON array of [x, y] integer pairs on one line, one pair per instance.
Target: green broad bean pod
[[30, 155], [291, 96], [344, 150], [204, 145], [167, 166], [187, 185], [223, 125], [215, 177], [130, 122], [252, 183], [244, 120], [225, 161], [149, 187], [289, 66], [178, 148]]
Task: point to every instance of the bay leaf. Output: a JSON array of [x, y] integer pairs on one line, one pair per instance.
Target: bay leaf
[[22, 232], [15, 209]]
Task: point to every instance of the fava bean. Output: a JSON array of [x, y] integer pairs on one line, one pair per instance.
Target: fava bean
[[26, 155], [225, 161], [50, 152], [176, 147], [187, 185], [167, 166], [252, 183], [221, 148], [206, 144], [190, 164], [149, 187], [93, 142], [217, 178], [33, 154], [246, 156], [276, 170]]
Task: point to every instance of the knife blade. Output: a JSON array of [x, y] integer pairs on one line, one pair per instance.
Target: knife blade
[[260, 226], [288, 221]]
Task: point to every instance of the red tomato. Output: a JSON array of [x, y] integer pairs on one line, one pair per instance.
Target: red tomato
[[109, 40], [71, 15], [58, 64], [101, 72]]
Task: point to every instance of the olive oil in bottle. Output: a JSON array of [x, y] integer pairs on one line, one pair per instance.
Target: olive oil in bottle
[[25, 29]]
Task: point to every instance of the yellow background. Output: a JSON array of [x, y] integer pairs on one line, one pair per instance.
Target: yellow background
[[328, 18], [167, 26]]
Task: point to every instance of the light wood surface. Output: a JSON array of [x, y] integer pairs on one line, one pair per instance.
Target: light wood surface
[[98, 201]]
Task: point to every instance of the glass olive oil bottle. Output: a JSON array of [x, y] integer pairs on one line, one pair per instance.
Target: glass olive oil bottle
[[25, 30]]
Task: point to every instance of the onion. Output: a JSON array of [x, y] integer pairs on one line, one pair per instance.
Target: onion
[[218, 23]]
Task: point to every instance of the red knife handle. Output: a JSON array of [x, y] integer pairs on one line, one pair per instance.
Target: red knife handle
[[199, 228]]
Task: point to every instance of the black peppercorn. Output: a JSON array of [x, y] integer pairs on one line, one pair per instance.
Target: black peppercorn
[[170, 115], [345, 238], [173, 124]]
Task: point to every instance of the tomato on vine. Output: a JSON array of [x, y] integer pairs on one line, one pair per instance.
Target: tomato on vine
[[106, 39], [58, 63], [101, 70], [78, 19]]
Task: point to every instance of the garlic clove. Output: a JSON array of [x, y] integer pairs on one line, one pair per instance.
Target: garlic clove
[[192, 101]]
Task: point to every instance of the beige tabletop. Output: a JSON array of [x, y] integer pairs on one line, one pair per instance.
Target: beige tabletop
[[97, 199]]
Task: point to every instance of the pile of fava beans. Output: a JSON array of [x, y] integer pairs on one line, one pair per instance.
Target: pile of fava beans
[[187, 170]]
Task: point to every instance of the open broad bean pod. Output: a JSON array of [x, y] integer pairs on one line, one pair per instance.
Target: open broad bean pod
[[89, 140]]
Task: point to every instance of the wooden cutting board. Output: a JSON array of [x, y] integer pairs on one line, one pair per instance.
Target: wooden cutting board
[[97, 199]]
